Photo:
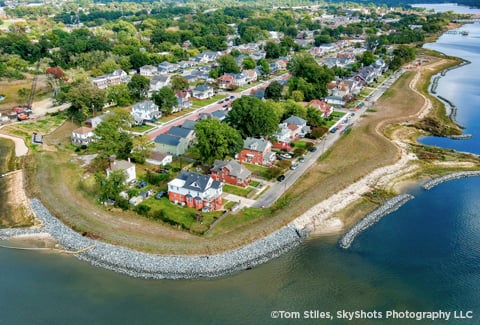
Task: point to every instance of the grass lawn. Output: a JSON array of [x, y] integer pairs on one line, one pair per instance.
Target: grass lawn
[[259, 171], [254, 183], [202, 103], [140, 128], [172, 116], [184, 217], [299, 144], [237, 190], [243, 217]]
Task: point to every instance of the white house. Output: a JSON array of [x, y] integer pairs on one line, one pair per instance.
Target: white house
[[145, 111], [82, 136], [300, 123], [202, 92], [126, 166], [148, 70], [159, 81], [159, 158]]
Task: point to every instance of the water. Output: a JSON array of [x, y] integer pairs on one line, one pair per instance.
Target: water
[[423, 257], [442, 7], [460, 86]]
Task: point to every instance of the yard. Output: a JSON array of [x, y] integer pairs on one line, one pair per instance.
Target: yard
[[181, 217], [140, 128], [237, 190], [173, 116], [197, 103]]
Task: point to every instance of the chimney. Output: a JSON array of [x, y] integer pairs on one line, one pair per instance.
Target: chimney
[[111, 159]]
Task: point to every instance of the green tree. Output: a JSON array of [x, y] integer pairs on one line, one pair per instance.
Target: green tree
[[110, 139], [139, 86], [142, 147], [252, 117], [293, 108], [110, 188], [179, 82], [314, 117], [216, 140], [367, 58], [228, 64], [264, 66], [165, 99], [84, 99], [274, 91], [119, 94], [249, 63], [297, 95]]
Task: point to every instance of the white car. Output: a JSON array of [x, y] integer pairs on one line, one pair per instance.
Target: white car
[[294, 166]]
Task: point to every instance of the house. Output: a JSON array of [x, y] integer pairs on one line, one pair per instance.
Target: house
[[159, 158], [126, 166], [300, 123], [283, 134], [171, 144], [335, 100], [226, 81], [82, 136], [322, 106], [158, 82], [251, 75], [183, 100], [202, 92], [206, 57], [167, 67], [115, 78], [189, 124], [148, 70], [196, 191], [145, 111], [257, 151], [93, 122], [240, 79], [178, 131], [231, 172], [219, 115]]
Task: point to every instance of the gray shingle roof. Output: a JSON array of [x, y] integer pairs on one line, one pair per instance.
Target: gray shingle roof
[[168, 139], [179, 131], [194, 181], [255, 144], [295, 120], [236, 169], [189, 124]]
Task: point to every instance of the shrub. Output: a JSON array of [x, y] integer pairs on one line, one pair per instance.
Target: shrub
[[142, 209]]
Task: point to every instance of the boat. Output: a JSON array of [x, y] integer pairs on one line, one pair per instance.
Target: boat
[[464, 33]]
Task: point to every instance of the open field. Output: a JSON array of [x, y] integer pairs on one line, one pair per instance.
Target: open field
[[355, 155]]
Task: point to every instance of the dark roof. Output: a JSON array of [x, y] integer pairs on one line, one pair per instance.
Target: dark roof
[[219, 114], [179, 131], [194, 181], [295, 120], [189, 124], [168, 139], [236, 169]]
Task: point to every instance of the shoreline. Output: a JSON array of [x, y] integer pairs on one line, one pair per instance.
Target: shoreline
[[317, 220]]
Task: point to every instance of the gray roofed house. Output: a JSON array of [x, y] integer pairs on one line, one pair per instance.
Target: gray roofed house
[[188, 134], [159, 81], [219, 115], [189, 124], [300, 122], [167, 143], [145, 111], [231, 172]]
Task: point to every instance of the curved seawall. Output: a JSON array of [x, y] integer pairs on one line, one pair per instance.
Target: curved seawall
[[434, 182], [389, 206], [155, 266]]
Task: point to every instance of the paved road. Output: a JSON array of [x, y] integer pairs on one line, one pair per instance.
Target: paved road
[[278, 189], [211, 108]]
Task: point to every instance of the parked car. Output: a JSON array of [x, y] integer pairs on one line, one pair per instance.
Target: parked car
[[333, 130], [281, 178], [160, 194], [220, 102], [286, 156], [302, 159], [232, 97], [313, 149], [294, 166], [141, 184]]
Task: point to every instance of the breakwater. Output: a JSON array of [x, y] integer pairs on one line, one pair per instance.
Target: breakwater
[[434, 182], [156, 266], [389, 207]]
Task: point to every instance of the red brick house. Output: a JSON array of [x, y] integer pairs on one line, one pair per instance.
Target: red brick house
[[196, 191], [231, 172], [226, 81], [257, 151]]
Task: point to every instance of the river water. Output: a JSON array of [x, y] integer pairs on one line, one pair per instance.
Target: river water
[[423, 257]]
